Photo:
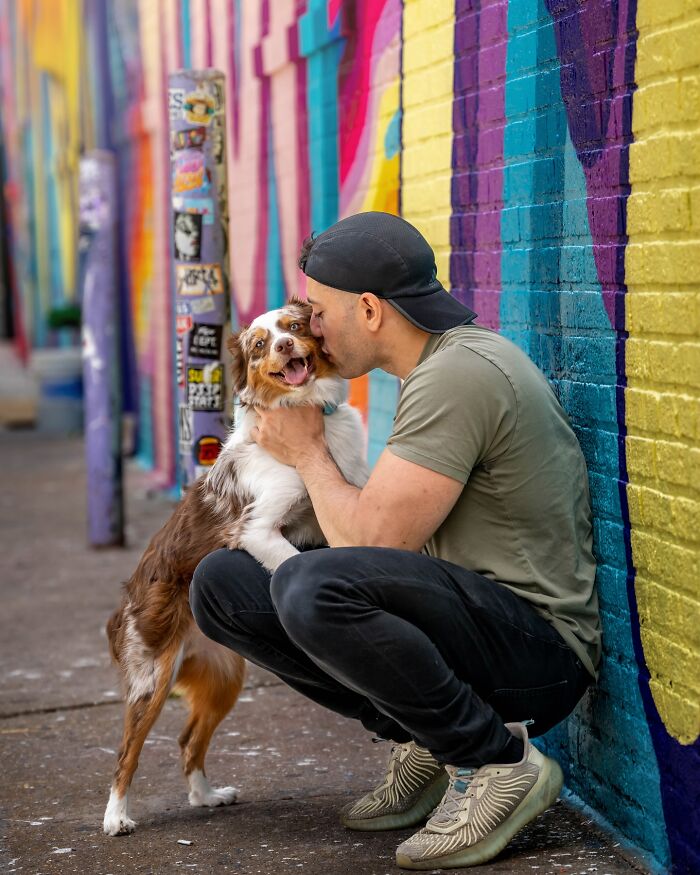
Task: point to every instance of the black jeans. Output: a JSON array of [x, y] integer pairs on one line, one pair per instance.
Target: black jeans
[[413, 647]]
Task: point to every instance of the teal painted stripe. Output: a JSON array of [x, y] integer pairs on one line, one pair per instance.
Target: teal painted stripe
[[552, 306], [322, 49], [56, 291], [145, 449], [383, 394], [186, 33]]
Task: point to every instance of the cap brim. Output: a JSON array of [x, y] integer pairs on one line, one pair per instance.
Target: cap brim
[[434, 313]]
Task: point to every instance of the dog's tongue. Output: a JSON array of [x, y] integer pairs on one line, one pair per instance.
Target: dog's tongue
[[294, 372]]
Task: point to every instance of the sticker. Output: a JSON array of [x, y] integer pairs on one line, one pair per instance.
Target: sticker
[[183, 323], [176, 102], [206, 450], [190, 175], [200, 106], [202, 205], [217, 140], [184, 423], [182, 308], [205, 304], [204, 279], [205, 387], [190, 138], [205, 341], [188, 236], [179, 362]]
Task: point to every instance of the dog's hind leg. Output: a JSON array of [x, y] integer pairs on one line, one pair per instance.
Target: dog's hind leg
[[211, 678], [144, 703]]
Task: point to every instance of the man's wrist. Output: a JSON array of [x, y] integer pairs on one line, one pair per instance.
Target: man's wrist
[[311, 458]]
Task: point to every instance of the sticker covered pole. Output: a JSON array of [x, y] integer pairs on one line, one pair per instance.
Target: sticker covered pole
[[101, 359], [200, 275]]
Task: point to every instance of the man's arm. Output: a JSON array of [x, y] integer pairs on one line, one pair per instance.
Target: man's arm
[[401, 505]]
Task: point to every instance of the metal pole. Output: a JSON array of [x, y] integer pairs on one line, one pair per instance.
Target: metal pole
[[200, 248], [100, 327]]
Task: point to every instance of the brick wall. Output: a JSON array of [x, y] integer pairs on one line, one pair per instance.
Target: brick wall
[[550, 152]]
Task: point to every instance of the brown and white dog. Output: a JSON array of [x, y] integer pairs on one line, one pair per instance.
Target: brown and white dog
[[248, 500]]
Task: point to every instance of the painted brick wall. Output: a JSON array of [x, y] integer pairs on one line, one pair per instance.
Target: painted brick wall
[[663, 399], [563, 284], [550, 152]]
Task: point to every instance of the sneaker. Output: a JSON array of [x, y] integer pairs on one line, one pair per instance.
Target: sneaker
[[413, 786], [483, 809]]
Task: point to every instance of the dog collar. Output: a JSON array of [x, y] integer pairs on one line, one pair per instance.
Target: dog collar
[[329, 408]]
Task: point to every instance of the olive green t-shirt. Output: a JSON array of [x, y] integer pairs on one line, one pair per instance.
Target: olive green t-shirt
[[478, 410]]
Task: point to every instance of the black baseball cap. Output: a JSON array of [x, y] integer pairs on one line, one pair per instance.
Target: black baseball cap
[[384, 254]]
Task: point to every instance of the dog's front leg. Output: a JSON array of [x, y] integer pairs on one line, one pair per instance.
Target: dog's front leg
[[259, 533]]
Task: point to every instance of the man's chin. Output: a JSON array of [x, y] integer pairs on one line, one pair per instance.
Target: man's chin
[[349, 373]]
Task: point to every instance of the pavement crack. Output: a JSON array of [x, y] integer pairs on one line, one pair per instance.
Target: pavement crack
[[79, 706]]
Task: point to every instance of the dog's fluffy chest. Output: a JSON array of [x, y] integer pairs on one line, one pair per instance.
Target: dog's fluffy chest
[[258, 472], [277, 515]]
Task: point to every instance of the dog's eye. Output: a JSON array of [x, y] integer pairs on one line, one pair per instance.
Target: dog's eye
[[260, 344], [294, 326]]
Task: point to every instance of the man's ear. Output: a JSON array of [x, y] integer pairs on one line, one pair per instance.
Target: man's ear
[[239, 363], [372, 310]]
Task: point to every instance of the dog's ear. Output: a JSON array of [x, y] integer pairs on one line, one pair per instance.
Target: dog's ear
[[239, 362], [303, 305]]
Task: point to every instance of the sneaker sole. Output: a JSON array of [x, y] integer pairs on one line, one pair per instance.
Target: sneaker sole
[[543, 794], [411, 817]]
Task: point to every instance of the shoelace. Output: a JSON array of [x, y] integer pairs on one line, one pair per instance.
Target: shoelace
[[453, 799], [394, 757]]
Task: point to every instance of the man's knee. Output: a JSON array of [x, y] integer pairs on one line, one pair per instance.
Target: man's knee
[[224, 583], [300, 592]]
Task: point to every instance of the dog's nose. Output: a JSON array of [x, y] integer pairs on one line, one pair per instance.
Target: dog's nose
[[284, 345]]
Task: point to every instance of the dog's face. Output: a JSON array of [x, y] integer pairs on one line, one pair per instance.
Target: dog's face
[[277, 357]]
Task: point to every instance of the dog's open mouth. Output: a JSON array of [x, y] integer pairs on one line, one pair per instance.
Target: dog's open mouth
[[296, 372]]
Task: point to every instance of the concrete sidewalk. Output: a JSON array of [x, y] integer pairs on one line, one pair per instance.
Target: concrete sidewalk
[[60, 725]]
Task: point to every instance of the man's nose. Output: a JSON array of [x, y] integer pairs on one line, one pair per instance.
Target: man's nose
[[284, 344], [315, 327]]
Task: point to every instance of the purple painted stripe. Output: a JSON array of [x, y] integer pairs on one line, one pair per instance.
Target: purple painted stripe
[[477, 184]]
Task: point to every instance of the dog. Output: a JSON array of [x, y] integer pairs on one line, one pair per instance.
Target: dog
[[248, 500]]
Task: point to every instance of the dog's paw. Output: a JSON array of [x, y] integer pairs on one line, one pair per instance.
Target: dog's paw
[[213, 797], [118, 825]]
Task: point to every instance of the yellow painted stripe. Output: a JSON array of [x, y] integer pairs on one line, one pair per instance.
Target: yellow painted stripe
[[428, 48], [663, 356]]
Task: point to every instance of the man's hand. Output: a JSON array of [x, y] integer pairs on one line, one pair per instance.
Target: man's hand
[[290, 433]]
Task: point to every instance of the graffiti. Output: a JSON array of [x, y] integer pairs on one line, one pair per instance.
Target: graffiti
[[199, 107], [205, 387], [205, 341], [190, 138], [183, 323], [190, 175], [179, 361], [184, 421], [205, 304], [205, 279], [206, 450], [176, 102], [204, 206], [187, 237]]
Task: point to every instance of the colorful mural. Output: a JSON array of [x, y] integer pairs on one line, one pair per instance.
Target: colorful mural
[[546, 148]]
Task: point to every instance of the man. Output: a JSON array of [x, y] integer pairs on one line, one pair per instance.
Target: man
[[458, 604]]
